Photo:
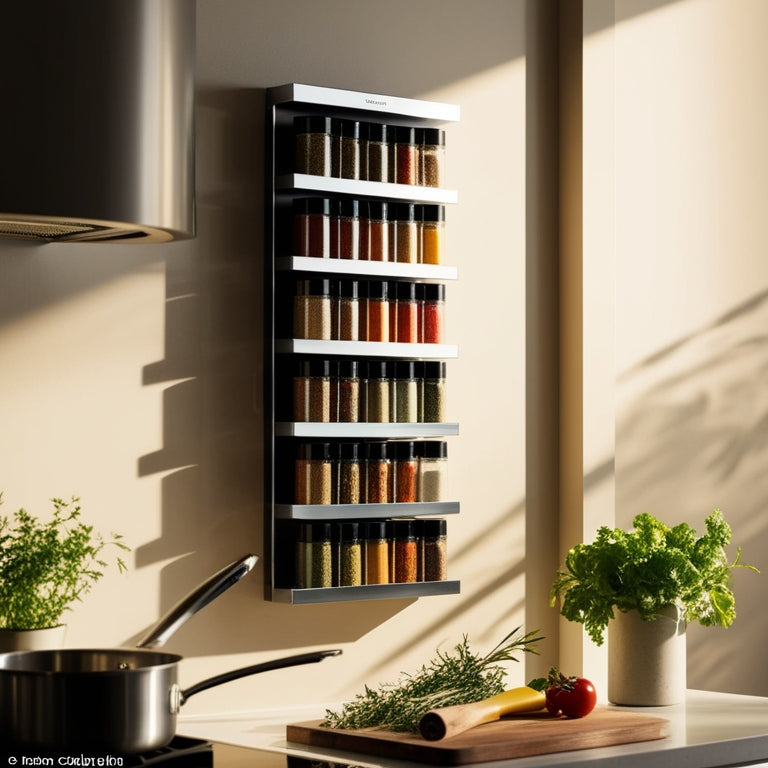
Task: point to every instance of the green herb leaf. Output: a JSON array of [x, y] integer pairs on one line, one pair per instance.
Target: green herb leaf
[[461, 677]]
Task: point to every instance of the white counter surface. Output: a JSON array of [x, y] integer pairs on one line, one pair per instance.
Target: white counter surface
[[711, 730]]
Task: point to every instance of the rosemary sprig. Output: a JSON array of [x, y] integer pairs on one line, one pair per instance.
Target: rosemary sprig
[[460, 677]]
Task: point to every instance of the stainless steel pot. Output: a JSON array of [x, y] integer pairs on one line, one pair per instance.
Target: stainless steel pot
[[113, 701]]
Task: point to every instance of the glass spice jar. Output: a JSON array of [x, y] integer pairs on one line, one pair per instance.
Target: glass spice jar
[[349, 477], [313, 483], [378, 474], [378, 231], [377, 311], [312, 309], [349, 229], [434, 550], [432, 157], [350, 555], [432, 408], [405, 552], [349, 148], [406, 472], [406, 156], [432, 234], [377, 392], [433, 470], [433, 313], [313, 145], [316, 565], [406, 234], [312, 227], [312, 391], [405, 403], [348, 392], [377, 161], [407, 314], [376, 553], [345, 314]]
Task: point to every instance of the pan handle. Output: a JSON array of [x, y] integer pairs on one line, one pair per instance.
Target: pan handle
[[226, 677], [196, 600]]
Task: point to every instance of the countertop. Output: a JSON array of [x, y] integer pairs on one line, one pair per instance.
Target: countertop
[[710, 730]]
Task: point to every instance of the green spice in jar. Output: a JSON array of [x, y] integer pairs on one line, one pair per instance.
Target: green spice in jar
[[313, 145], [314, 567], [350, 556], [377, 392], [406, 400], [433, 389]]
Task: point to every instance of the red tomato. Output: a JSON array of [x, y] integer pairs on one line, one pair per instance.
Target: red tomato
[[575, 698]]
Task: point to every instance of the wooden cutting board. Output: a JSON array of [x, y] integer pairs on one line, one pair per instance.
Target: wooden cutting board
[[514, 736]]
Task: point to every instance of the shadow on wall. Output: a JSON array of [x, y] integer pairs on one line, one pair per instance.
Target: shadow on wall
[[692, 435]]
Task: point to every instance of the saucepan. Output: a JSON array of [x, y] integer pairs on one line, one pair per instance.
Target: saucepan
[[113, 701]]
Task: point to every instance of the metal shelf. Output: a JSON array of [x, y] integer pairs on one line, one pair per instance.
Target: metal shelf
[[390, 270], [365, 592], [331, 185], [364, 511], [380, 349], [363, 429]]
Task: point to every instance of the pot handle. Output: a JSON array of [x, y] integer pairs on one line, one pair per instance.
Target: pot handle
[[196, 600], [226, 677]]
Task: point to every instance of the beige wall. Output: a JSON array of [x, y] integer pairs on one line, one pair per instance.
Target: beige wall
[[131, 375]]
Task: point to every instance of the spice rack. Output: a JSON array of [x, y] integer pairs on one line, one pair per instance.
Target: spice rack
[[283, 186]]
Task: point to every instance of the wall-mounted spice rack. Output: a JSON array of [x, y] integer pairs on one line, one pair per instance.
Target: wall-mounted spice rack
[[318, 192]]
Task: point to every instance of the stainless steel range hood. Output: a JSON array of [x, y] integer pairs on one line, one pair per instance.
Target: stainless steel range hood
[[97, 126]]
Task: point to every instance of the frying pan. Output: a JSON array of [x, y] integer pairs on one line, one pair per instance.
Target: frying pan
[[113, 701]]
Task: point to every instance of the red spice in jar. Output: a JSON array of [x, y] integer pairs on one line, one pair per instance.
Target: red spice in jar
[[405, 554], [406, 156], [377, 312], [433, 314], [407, 313], [406, 472]]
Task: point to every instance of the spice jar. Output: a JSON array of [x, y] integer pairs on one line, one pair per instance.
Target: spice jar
[[345, 314], [405, 552], [376, 553], [433, 470], [348, 484], [312, 227], [315, 566], [378, 231], [432, 234], [377, 392], [312, 309], [313, 477], [433, 389], [377, 311], [405, 405], [348, 396], [406, 156], [406, 234], [406, 472], [407, 313], [434, 550], [349, 229], [377, 161], [313, 145], [432, 313], [378, 474], [350, 556], [432, 157], [312, 391], [349, 148]]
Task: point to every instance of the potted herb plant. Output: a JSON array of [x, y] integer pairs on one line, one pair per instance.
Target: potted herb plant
[[644, 586], [45, 566]]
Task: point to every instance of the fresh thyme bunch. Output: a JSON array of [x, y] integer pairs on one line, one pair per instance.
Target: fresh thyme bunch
[[460, 677]]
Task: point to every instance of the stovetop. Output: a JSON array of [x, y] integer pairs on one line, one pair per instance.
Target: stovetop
[[182, 752]]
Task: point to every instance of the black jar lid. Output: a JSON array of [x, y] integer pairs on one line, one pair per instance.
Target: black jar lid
[[378, 131], [311, 124], [405, 134], [376, 451], [433, 449], [434, 528], [377, 289], [434, 369], [349, 531], [315, 451], [433, 136], [350, 128], [378, 211], [347, 289], [405, 369], [312, 205], [318, 368], [404, 212], [348, 369], [433, 213], [403, 529], [378, 369], [316, 286], [319, 531], [349, 208], [349, 451], [406, 291], [434, 292], [376, 529], [404, 450]]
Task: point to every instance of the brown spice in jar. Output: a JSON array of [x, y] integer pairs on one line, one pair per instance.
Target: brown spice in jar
[[405, 553], [378, 482]]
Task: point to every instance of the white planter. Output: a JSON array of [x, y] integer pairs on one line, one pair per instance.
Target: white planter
[[646, 659], [47, 639]]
